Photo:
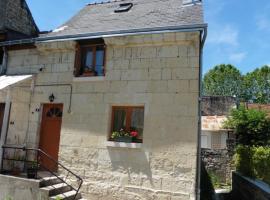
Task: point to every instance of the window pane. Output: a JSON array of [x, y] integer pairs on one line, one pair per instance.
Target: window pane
[[137, 120], [99, 60], [119, 119], [88, 60]]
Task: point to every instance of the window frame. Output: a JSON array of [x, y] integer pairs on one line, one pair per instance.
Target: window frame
[[81, 49], [128, 110]]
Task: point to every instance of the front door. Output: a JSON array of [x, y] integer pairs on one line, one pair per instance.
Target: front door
[[2, 112], [50, 134]]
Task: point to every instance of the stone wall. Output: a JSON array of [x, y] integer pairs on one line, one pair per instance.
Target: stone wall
[[20, 189], [217, 105], [159, 72], [219, 161], [246, 189], [15, 15]]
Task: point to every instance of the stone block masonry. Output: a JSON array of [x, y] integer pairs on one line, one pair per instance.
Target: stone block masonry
[[159, 72]]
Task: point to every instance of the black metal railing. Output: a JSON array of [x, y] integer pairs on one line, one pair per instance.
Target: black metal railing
[[19, 158]]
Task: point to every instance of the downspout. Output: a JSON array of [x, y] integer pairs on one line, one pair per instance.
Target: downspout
[[203, 35]]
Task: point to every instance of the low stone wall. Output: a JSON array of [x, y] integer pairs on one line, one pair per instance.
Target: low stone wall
[[248, 189], [15, 188], [218, 161]]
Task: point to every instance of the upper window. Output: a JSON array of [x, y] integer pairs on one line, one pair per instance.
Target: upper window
[[127, 124], [90, 58], [1, 57], [124, 7]]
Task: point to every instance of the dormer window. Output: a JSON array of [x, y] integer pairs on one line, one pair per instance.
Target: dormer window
[[90, 58], [190, 2], [123, 7]]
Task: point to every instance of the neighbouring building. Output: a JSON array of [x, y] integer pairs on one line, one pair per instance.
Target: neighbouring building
[[130, 66], [215, 110]]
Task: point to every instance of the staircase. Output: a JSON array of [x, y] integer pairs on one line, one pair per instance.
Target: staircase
[[51, 185], [54, 188]]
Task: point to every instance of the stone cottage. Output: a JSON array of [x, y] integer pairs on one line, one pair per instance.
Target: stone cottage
[[111, 98], [215, 111]]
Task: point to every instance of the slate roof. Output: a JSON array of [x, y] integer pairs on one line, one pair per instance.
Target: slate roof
[[100, 17]]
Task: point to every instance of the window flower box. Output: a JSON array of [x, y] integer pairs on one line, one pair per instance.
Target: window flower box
[[126, 139], [124, 136]]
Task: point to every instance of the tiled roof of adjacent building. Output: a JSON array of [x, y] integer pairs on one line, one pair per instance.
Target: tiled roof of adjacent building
[[213, 123], [100, 17]]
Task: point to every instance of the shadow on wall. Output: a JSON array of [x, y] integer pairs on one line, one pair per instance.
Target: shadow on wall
[[131, 162], [207, 188]]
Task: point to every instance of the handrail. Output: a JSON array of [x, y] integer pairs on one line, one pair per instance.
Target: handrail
[[23, 148]]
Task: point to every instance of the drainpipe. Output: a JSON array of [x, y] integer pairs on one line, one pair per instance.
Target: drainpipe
[[198, 172], [5, 123]]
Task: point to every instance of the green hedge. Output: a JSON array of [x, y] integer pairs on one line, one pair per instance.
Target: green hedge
[[253, 162]]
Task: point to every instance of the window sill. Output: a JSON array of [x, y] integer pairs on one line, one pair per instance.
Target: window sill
[[123, 145], [88, 79]]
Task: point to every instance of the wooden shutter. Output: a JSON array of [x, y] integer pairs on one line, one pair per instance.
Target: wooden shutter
[[77, 66]]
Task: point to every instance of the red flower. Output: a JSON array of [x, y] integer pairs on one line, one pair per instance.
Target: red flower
[[134, 133]]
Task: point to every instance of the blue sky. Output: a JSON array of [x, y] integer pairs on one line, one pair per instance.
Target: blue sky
[[238, 33]]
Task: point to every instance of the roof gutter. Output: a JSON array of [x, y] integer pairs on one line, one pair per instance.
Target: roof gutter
[[184, 28], [198, 171]]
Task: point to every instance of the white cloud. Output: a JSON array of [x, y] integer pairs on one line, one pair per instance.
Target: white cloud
[[223, 35], [237, 57], [263, 22]]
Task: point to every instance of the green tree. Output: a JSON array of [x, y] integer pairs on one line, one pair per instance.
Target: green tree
[[223, 80], [256, 85], [252, 126]]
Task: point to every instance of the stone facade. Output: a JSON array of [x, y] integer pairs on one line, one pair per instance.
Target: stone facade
[[219, 162], [158, 71], [16, 16]]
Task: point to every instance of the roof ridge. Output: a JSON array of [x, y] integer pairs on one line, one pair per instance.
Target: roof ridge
[[105, 2]]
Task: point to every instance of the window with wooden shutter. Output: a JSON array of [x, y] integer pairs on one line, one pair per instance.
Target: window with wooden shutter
[[90, 58]]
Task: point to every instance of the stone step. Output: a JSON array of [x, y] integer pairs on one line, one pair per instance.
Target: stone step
[[47, 181], [67, 196], [56, 189]]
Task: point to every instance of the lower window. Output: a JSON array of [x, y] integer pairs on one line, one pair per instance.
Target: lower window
[[127, 124]]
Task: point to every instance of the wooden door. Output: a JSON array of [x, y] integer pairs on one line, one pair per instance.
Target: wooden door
[[2, 112], [50, 134]]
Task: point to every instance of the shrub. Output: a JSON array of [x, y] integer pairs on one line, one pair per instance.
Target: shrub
[[261, 159], [252, 126], [253, 162]]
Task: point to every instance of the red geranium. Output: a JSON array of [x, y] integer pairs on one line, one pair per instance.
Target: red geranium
[[134, 133]]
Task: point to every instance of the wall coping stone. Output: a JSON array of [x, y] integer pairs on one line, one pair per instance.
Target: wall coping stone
[[258, 183]]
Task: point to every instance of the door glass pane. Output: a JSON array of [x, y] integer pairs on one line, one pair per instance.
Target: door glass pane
[[137, 120], [99, 60], [119, 119]]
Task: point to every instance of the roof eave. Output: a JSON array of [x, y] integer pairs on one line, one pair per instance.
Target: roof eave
[[183, 28]]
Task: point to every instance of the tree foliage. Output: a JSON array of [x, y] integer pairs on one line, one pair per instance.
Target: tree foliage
[[223, 80], [256, 85], [253, 162], [252, 126], [226, 80]]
